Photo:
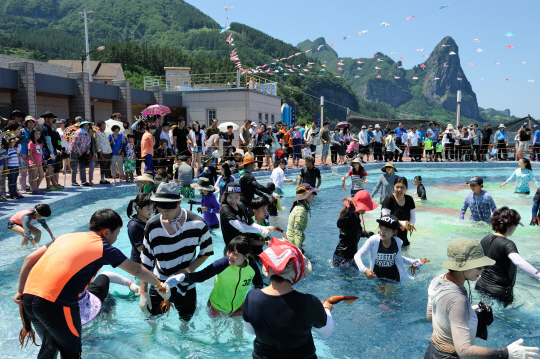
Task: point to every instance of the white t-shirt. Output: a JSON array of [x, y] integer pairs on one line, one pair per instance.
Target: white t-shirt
[[165, 136], [278, 176], [413, 137]]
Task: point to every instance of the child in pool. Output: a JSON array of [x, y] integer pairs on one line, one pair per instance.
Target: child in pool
[[20, 223], [420, 190], [234, 275], [144, 208], [209, 206]]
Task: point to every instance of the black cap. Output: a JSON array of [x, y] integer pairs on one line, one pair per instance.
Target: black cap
[[233, 187], [183, 158], [48, 114], [389, 221], [476, 180]]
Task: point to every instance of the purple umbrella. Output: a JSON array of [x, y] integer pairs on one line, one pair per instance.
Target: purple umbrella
[[343, 124]]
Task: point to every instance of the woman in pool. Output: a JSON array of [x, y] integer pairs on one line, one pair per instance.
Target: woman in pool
[[20, 223], [384, 251], [454, 320], [402, 206], [234, 274], [350, 227], [522, 175], [144, 208], [280, 317], [386, 181], [298, 217], [358, 176], [498, 280]]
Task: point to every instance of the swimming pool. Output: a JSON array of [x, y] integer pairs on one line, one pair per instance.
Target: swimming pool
[[372, 327]]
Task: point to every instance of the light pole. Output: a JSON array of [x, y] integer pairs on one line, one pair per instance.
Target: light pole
[[84, 56]]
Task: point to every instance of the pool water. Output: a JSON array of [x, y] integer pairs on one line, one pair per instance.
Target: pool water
[[375, 326]]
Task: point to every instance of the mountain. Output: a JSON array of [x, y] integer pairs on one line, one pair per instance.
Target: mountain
[[420, 97], [494, 117]]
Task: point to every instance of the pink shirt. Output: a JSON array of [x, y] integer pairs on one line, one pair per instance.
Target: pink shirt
[[353, 146], [35, 150]]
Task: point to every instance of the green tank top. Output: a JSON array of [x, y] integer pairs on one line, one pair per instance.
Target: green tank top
[[231, 287]]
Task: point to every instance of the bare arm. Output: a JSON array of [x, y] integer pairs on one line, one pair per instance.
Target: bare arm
[[29, 263]]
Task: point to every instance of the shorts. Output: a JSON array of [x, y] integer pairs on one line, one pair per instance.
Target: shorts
[[196, 150], [49, 162], [11, 225], [524, 146], [129, 166], [325, 149], [433, 353], [58, 164]]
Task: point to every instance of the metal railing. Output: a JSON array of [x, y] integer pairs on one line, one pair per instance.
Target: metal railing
[[216, 81]]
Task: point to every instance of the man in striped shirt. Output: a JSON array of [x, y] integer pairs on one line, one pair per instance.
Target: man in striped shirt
[[170, 244]]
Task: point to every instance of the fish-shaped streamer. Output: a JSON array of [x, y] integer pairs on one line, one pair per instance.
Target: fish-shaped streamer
[[459, 79], [522, 63], [319, 48], [424, 55], [308, 51], [379, 76], [419, 49], [402, 58], [410, 17], [306, 70], [332, 43], [437, 78], [357, 77], [479, 50], [510, 47], [228, 7], [340, 69], [322, 70], [415, 78], [422, 65], [396, 77], [359, 68], [444, 6], [359, 62], [229, 38], [476, 40], [363, 32], [444, 65], [384, 24], [470, 64], [400, 67], [377, 68], [530, 80], [445, 45], [506, 79], [452, 53], [497, 63], [345, 37], [509, 34]]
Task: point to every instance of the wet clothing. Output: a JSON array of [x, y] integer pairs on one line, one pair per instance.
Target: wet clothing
[[283, 323], [24, 218], [350, 231], [135, 229], [522, 180], [357, 180], [385, 263], [421, 192], [498, 280], [226, 214], [481, 207], [386, 184], [250, 187], [297, 224], [371, 249], [165, 254], [184, 173], [454, 323], [403, 213], [209, 201], [231, 283], [310, 175]]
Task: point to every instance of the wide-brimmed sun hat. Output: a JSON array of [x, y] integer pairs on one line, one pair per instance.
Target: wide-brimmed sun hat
[[354, 138], [357, 160], [145, 177], [449, 127], [388, 164], [502, 125], [362, 201], [303, 191], [203, 184], [285, 260], [167, 192], [86, 123], [89, 307], [464, 254], [248, 160], [48, 114]]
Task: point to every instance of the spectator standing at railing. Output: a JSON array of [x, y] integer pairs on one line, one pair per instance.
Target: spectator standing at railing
[[181, 138], [500, 139], [213, 130], [401, 141], [80, 146], [524, 138], [476, 138], [104, 150], [433, 135], [535, 156], [421, 138], [244, 138], [486, 140], [313, 138]]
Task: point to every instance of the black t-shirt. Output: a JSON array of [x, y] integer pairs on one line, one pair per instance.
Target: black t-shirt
[[250, 187], [350, 231], [226, 136], [47, 131], [283, 323], [181, 139], [498, 280], [385, 263], [525, 135], [310, 176], [403, 213], [226, 214], [486, 135], [421, 192]]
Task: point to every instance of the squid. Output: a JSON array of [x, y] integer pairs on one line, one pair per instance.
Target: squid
[[414, 268]]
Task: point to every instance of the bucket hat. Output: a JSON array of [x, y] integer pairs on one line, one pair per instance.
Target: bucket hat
[[464, 254], [89, 307], [286, 260], [303, 191], [362, 201], [167, 192], [207, 158], [354, 138], [388, 164], [449, 127], [233, 187], [389, 221], [85, 122], [203, 184], [145, 177], [357, 160], [48, 114], [502, 125], [247, 160]]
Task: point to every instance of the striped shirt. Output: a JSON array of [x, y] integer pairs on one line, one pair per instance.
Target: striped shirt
[[165, 254], [13, 159]]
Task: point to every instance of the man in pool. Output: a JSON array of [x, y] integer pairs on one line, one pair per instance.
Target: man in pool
[[479, 201], [170, 242], [52, 277]]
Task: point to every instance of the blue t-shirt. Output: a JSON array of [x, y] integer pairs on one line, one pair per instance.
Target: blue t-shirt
[[433, 133], [537, 136], [401, 133], [421, 136], [24, 142], [136, 237], [117, 144], [501, 135]]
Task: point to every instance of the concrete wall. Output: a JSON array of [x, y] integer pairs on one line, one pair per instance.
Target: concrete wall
[[57, 105], [5, 98], [102, 110], [264, 105], [39, 66]]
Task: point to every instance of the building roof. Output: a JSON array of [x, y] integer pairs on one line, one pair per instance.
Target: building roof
[[100, 70]]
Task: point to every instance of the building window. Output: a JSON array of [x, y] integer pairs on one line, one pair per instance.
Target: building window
[[265, 118], [168, 86], [260, 117], [211, 116], [272, 119], [186, 83]]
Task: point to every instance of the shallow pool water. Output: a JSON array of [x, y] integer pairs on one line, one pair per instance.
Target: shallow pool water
[[375, 326]]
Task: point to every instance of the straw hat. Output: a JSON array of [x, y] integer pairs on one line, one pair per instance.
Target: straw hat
[[303, 191], [449, 127], [145, 177], [362, 201], [167, 192], [203, 184], [464, 254], [388, 164]]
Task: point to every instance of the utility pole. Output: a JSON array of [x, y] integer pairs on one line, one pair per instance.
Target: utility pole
[[322, 112], [85, 13], [458, 110]]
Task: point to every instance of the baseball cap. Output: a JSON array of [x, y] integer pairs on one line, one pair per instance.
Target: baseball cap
[[389, 221], [476, 180]]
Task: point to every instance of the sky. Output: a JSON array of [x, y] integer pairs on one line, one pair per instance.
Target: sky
[[294, 21]]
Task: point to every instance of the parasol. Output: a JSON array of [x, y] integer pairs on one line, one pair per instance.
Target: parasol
[[110, 123], [156, 110], [343, 124], [223, 127], [73, 128]]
